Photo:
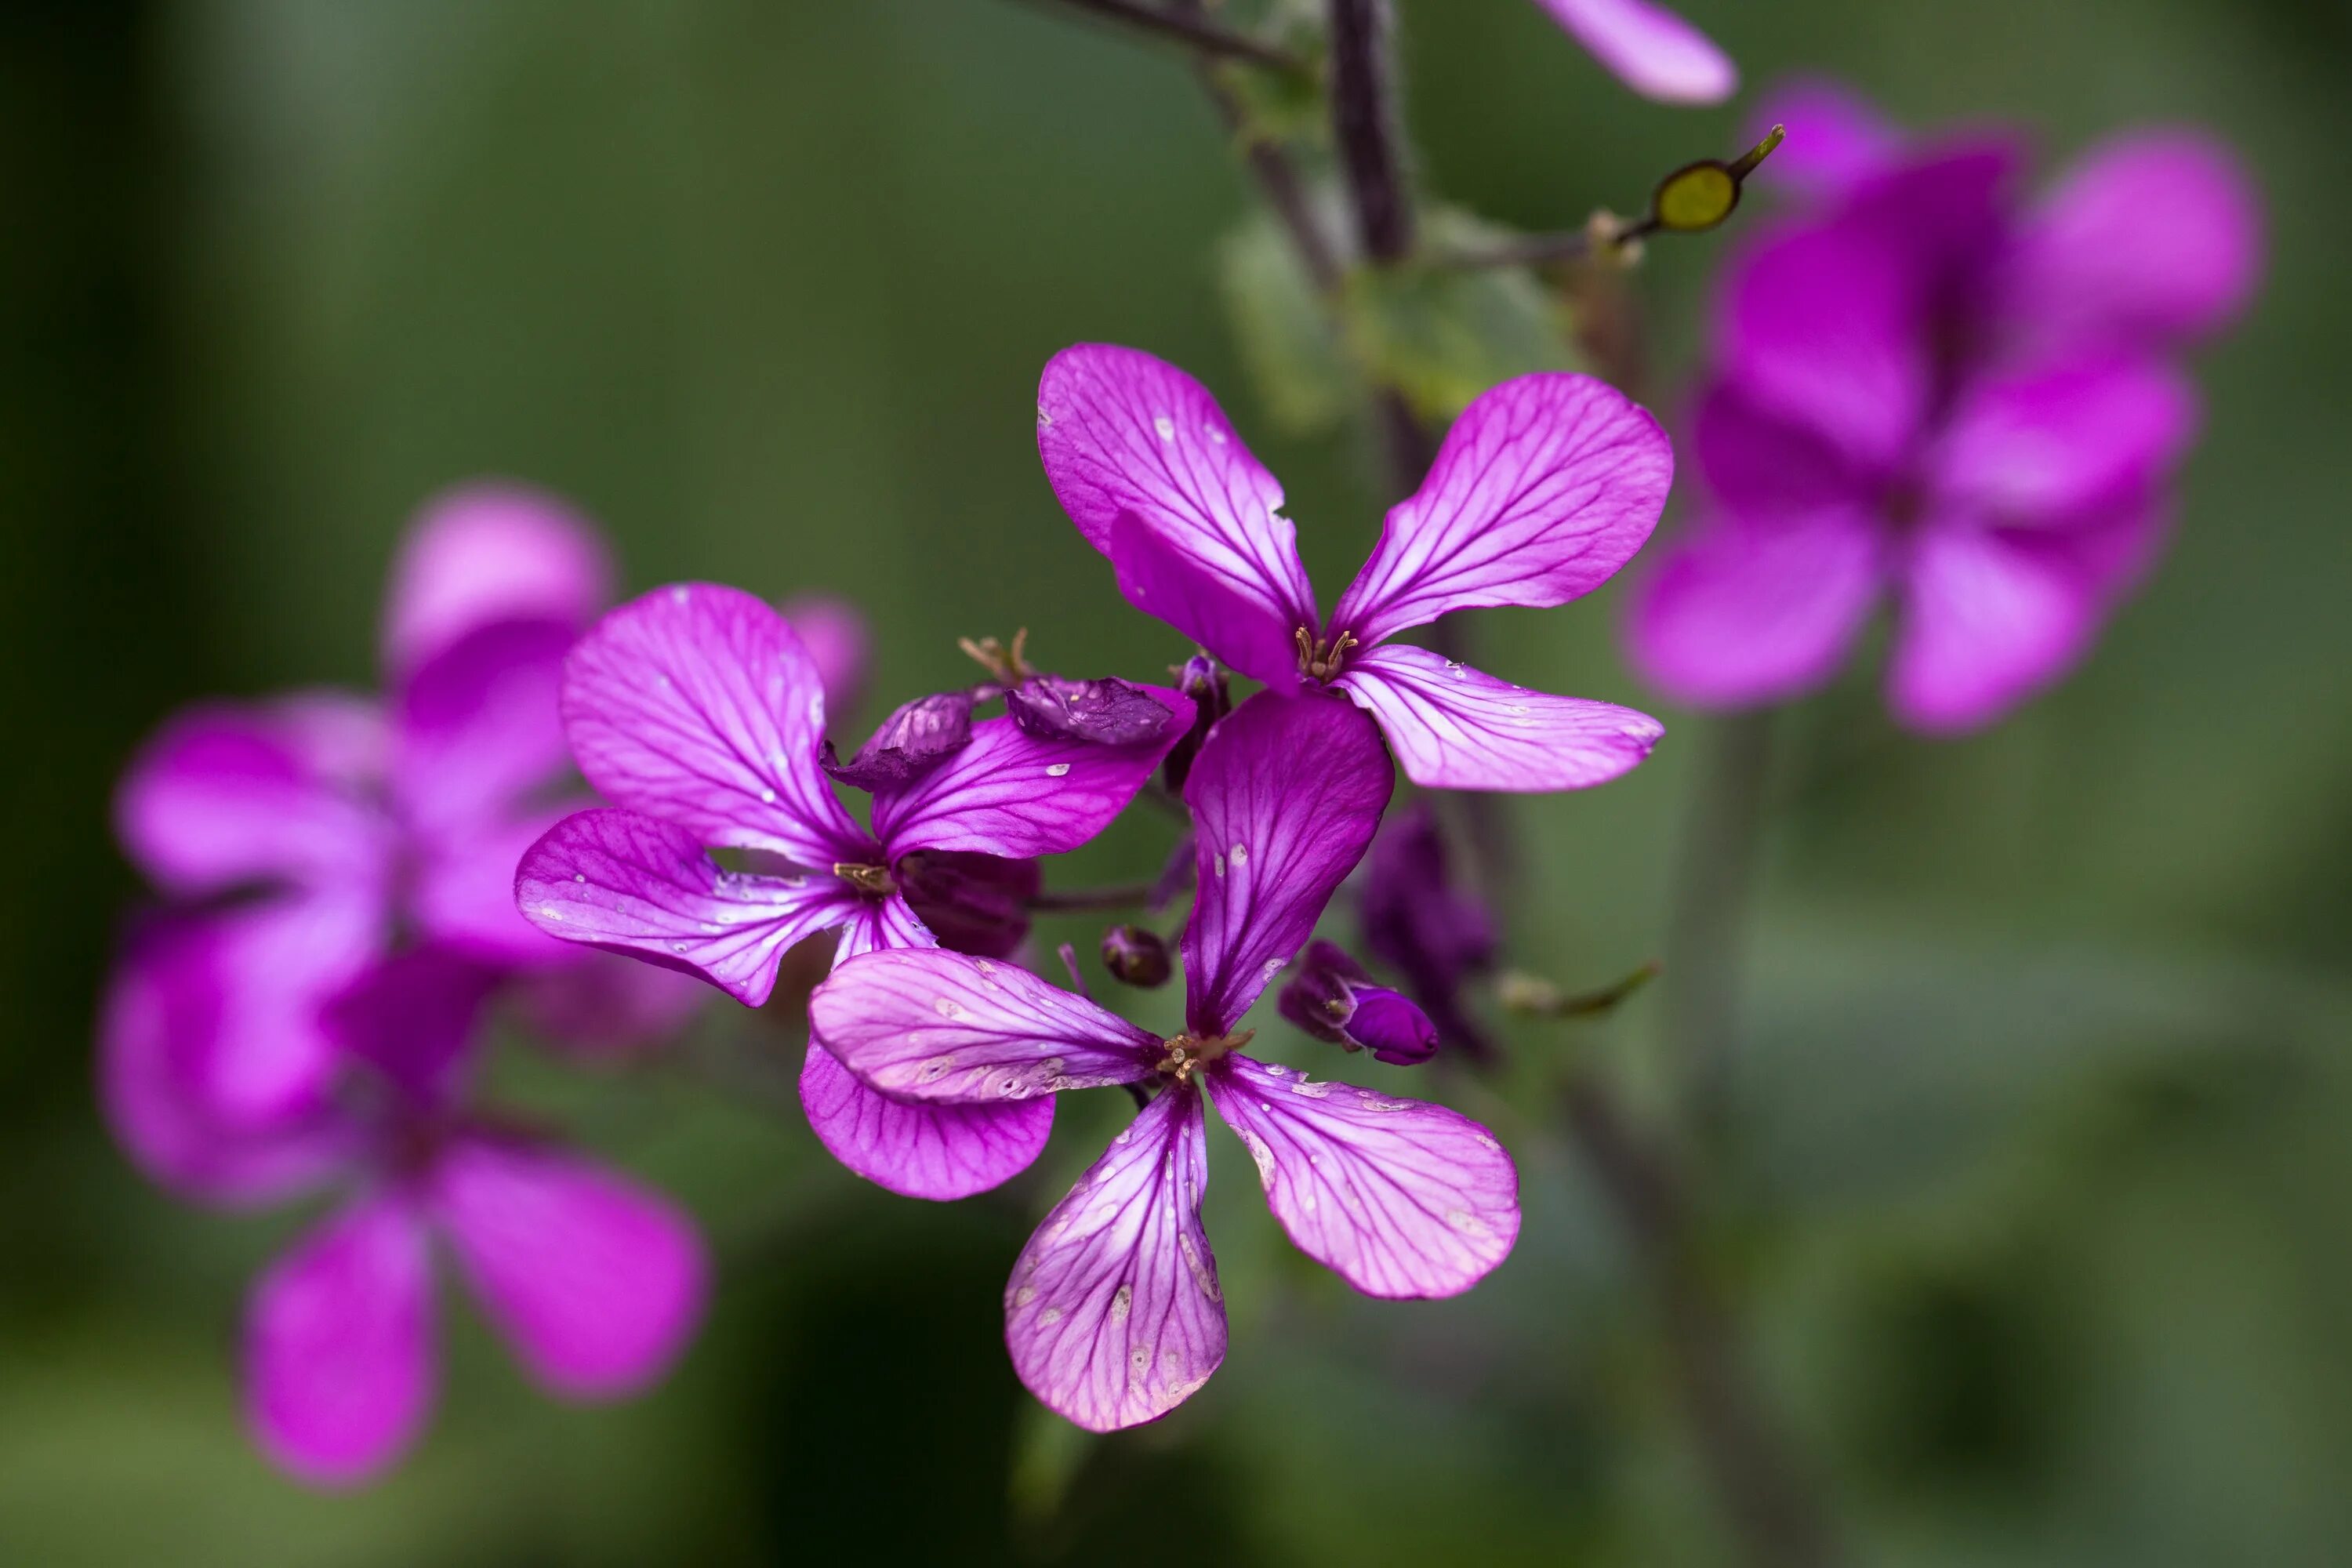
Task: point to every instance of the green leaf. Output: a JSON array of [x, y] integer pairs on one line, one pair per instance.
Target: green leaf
[[1286, 336]]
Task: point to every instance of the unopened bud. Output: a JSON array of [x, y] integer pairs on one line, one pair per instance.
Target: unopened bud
[[1136, 956], [1331, 999], [1205, 682]]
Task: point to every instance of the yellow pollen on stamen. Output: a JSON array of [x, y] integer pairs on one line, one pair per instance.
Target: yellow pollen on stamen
[[1185, 1053], [1320, 659], [874, 880]]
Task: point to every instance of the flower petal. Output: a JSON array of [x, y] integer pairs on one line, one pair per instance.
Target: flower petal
[[478, 726], [1543, 488], [2157, 234], [949, 1030], [1122, 432], [597, 1282], [1741, 612], [1757, 463], [939, 1151], [339, 1345], [1836, 138], [1648, 48], [1016, 794], [489, 552], [1114, 1315], [1285, 797], [412, 1017], [696, 704], [1401, 1198], [462, 892], [2041, 444], [1106, 712], [876, 924], [916, 737], [1988, 619], [634, 884], [1453, 727], [225, 794]]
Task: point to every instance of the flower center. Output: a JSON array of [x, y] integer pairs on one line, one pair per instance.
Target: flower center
[[875, 881], [1319, 657], [1185, 1053]]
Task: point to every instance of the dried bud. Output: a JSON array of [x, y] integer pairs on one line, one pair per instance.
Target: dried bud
[[1107, 712], [1136, 956], [1206, 684], [914, 739], [1331, 999]]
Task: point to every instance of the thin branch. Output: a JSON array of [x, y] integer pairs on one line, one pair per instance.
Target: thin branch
[[1364, 124], [1124, 896], [1196, 31]]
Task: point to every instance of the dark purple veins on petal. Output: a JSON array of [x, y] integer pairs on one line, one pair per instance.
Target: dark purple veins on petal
[[915, 739], [1106, 712]]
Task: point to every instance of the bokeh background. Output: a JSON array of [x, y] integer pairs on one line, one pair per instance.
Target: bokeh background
[[2041, 1127]]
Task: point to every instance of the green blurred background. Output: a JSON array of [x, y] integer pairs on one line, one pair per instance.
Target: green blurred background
[[2041, 1128]]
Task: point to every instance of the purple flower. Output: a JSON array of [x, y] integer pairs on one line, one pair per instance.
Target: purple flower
[[1927, 391], [1334, 1000], [696, 711], [1648, 48], [310, 829], [1114, 1314], [1544, 488], [1439, 936]]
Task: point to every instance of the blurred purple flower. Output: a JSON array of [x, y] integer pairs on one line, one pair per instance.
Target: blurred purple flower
[[1543, 488], [1439, 936], [837, 639], [1648, 48], [1114, 1314], [1331, 999], [698, 712], [1926, 391]]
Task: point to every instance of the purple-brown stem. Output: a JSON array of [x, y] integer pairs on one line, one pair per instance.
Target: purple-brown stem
[[1187, 26], [1123, 896]]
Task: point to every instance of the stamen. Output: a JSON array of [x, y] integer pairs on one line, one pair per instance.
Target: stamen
[[1007, 665], [1321, 658], [1185, 1053], [875, 881]]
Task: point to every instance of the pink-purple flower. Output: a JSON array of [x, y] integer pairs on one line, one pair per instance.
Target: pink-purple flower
[[1927, 392], [1114, 1314], [1648, 48], [1542, 490], [698, 712]]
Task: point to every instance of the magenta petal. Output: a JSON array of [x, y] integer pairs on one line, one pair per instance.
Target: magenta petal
[[1741, 612], [228, 794], [1836, 138], [634, 884], [941, 1026], [339, 1345], [939, 1151], [1114, 1315], [1453, 727], [874, 925], [412, 1017], [478, 726], [1988, 619], [838, 643], [1401, 1198], [462, 893], [1159, 574], [2156, 234], [1756, 462], [696, 704], [1017, 795], [1122, 432], [1648, 48], [597, 1282], [490, 553], [2040, 444], [1275, 838], [1543, 488]]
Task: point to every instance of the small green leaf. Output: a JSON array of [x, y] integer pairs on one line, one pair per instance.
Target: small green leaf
[[1442, 336], [1285, 334]]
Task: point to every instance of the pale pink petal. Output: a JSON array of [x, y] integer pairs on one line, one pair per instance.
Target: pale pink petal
[[1648, 48], [1285, 797], [2156, 234], [1742, 613], [951, 1029], [633, 884], [596, 1282], [1988, 619], [1017, 795], [1836, 138], [2039, 444], [696, 704], [839, 642], [1122, 432], [1453, 727], [227, 793], [339, 1345], [1543, 488], [478, 727], [1401, 1198], [939, 1151], [1114, 1315], [489, 552]]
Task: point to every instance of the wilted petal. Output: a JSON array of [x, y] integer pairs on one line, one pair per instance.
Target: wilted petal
[[479, 726], [951, 1029], [1285, 797], [339, 1345], [1114, 1315], [839, 642], [1106, 712], [916, 737], [1016, 794], [1738, 612], [2157, 233], [1453, 727], [2041, 443], [939, 1151], [1400, 1198], [1122, 432], [1987, 618], [226, 794], [696, 704], [490, 553], [1648, 48], [633, 884], [596, 1282], [412, 1018], [1543, 488], [1836, 138]]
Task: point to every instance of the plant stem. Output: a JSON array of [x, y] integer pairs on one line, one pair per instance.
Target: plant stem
[[1277, 178], [1124, 896], [1364, 124], [1187, 26], [1706, 933]]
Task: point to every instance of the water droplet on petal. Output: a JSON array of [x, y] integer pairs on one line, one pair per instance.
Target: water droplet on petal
[[1217, 863], [1165, 425], [947, 1007], [579, 876], [1026, 1294], [767, 797], [1058, 770], [1049, 1316], [1240, 856], [1214, 433], [551, 912], [1120, 1302]]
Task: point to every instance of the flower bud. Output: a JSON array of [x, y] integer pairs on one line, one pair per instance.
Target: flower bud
[[1136, 956], [1206, 684], [1437, 935], [1331, 999]]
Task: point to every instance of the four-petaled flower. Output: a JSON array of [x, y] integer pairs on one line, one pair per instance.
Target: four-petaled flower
[[1114, 1314], [1543, 488], [695, 709]]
